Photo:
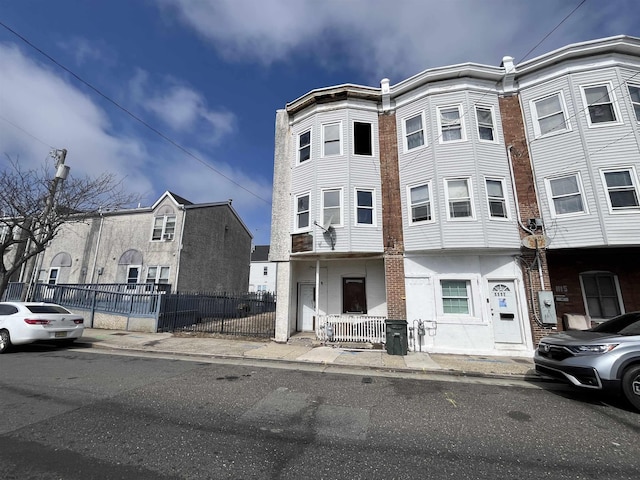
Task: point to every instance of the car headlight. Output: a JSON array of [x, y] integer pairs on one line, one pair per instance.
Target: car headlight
[[607, 347]]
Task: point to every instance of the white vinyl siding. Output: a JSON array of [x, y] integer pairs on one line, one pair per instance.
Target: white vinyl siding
[[486, 124], [565, 195], [451, 124], [622, 190], [599, 101], [549, 115], [414, 136]]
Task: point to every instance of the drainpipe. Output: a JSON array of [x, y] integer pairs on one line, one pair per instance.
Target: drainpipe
[[95, 257], [317, 292], [179, 245]]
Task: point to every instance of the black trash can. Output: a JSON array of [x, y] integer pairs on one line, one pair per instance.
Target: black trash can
[[396, 335]]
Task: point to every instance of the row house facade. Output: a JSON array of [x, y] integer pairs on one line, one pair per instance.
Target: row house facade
[[479, 203], [189, 247]]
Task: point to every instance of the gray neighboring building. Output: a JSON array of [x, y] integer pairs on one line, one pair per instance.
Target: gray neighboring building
[[203, 247]]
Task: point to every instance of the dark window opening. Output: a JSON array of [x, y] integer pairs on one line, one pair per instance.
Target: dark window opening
[[354, 298], [362, 139]]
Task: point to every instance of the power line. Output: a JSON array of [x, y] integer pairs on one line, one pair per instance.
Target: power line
[[132, 115], [26, 132]]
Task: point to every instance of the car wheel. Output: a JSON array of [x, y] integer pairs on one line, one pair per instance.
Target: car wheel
[[5, 341], [631, 385]]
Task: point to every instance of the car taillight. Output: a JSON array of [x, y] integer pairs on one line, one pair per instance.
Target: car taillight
[[78, 321], [36, 321]]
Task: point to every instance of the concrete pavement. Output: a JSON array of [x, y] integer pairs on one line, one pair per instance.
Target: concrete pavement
[[306, 351]]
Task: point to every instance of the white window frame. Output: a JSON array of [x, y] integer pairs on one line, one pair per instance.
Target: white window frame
[[635, 106], [550, 197], [467, 180], [371, 138], [53, 274], [324, 140], [584, 294], [536, 118], [634, 186], [612, 101], [158, 278], [296, 217], [165, 235], [463, 134], [504, 197], [341, 206], [430, 203], [301, 147], [406, 134], [494, 131], [473, 295], [129, 268], [357, 206]]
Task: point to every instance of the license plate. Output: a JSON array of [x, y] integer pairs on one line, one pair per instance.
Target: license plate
[[61, 334]]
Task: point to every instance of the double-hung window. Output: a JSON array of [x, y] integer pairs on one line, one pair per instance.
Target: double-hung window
[[331, 141], [304, 146], [158, 274], [455, 297], [332, 207], [549, 115], [302, 211], [496, 198], [459, 198], [622, 189], [601, 294], [420, 203], [634, 93], [414, 132], [451, 125], [486, 126], [566, 195], [600, 103], [53, 276], [164, 227], [365, 212], [362, 139]]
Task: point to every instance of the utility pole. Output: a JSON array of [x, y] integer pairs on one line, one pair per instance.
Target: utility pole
[[62, 172]]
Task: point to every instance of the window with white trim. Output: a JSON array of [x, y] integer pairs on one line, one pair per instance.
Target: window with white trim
[[158, 274], [133, 273], [634, 93], [622, 189], [451, 124], [549, 114], [164, 228], [600, 103], [302, 211], [486, 125], [331, 142], [304, 146], [332, 207], [420, 203], [459, 203], [456, 297], [414, 132], [496, 197], [601, 294], [362, 138], [566, 195], [53, 276], [365, 211]]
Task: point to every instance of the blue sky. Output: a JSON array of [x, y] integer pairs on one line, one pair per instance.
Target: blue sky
[[210, 76]]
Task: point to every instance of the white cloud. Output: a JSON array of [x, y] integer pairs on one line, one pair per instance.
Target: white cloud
[[383, 38]]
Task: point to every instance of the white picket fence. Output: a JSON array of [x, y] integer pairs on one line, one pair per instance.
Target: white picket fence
[[350, 328]]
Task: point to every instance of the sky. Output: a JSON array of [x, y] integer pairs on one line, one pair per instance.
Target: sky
[[181, 95]]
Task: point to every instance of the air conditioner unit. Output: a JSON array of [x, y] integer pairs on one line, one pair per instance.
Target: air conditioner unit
[[167, 236]]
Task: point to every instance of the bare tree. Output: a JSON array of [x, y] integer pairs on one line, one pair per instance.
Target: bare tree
[[34, 204]]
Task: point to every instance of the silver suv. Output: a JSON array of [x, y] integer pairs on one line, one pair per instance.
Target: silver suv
[[603, 357]]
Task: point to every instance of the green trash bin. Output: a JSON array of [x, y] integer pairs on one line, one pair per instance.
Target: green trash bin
[[396, 336]]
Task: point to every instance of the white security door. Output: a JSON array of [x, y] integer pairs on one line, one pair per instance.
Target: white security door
[[306, 307], [504, 313]]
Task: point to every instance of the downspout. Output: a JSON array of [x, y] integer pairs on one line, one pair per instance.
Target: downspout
[[95, 257], [179, 245], [317, 292]]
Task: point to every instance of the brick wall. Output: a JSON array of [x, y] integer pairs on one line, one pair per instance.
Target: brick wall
[[392, 217], [516, 141]]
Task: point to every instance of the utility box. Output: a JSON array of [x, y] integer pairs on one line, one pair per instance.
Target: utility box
[[396, 336], [547, 308]]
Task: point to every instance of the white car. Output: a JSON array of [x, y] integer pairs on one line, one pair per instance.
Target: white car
[[27, 322]]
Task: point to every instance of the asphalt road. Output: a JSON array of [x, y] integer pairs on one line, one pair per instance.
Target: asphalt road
[[76, 414]]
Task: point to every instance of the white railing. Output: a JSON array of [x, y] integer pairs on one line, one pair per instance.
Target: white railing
[[350, 328]]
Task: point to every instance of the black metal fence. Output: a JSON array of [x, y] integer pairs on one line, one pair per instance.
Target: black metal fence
[[250, 314]]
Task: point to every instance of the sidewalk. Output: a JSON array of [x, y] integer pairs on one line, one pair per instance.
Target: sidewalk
[[304, 352]]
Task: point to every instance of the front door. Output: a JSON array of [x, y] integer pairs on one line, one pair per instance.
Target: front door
[[504, 312], [306, 307]]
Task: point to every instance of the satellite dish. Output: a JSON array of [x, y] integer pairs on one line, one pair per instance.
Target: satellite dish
[[327, 225], [534, 242], [329, 231]]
